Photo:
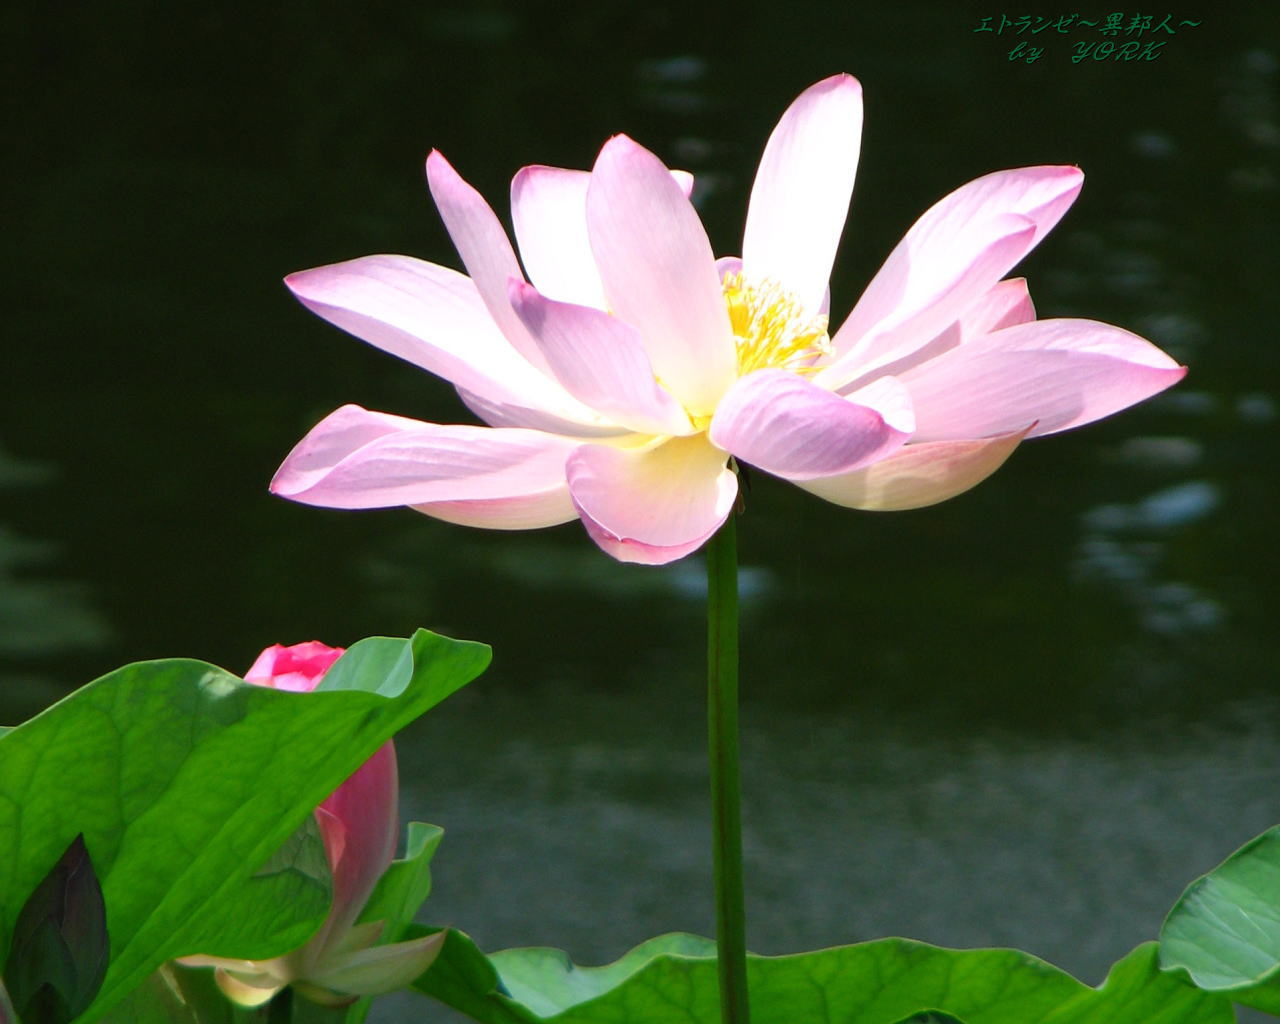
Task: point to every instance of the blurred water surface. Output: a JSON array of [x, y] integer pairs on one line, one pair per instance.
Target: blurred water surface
[[1028, 716]]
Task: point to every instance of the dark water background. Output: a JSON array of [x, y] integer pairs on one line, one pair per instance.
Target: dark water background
[[1028, 716]]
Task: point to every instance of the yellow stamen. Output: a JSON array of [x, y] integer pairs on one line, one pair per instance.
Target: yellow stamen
[[772, 329]]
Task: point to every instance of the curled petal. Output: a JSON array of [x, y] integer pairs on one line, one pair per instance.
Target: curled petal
[[634, 551], [659, 273], [230, 963], [801, 193], [342, 432], [652, 505], [434, 318], [932, 285], [917, 475], [1057, 374], [247, 990], [482, 243], [600, 360], [375, 970], [1004, 305], [950, 257], [794, 429], [549, 211], [420, 463]]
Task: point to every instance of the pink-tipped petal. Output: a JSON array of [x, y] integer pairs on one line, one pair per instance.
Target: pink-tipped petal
[[600, 360], [787, 426], [633, 551], [659, 273], [802, 189], [484, 247], [950, 257], [421, 463], [342, 432], [298, 668], [1057, 374], [549, 211], [434, 318], [727, 265], [917, 475], [930, 291], [652, 505], [1004, 305], [888, 397]]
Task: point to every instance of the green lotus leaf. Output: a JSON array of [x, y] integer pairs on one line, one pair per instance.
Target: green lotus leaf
[[1224, 931], [672, 980], [187, 783]]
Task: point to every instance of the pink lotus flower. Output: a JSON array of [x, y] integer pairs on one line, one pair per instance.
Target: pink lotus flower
[[359, 822], [621, 382]]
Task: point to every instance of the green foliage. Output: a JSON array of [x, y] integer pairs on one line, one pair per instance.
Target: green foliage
[[401, 890], [59, 952], [464, 978], [672, 980], [179, 995], [1224, 931], [404, 886], [186, 783], [931, 1017], [1138, 992]]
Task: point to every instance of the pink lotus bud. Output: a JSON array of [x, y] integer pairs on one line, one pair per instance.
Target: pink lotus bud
[[299, 668], [359, 823]]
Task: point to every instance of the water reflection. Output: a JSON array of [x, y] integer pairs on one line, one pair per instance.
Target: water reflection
[[1165, 510], [581, 821], [1027, 716], [674, 84], [44, 616], [41, 616]]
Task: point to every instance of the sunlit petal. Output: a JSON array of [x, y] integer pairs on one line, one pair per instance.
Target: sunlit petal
[[950, 257], [801, 193], [247, 990], [794, 429], [549, 212], [672, 496], [917, 475], [1057, 374], [434, 318], [1004, 305], [423, 462], [484, 247], [659, 273], [600, 360]]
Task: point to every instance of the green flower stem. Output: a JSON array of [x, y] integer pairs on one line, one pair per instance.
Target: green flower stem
[[726, 776]]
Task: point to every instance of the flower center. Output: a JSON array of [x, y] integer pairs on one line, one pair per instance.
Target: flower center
[[772, 329]]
